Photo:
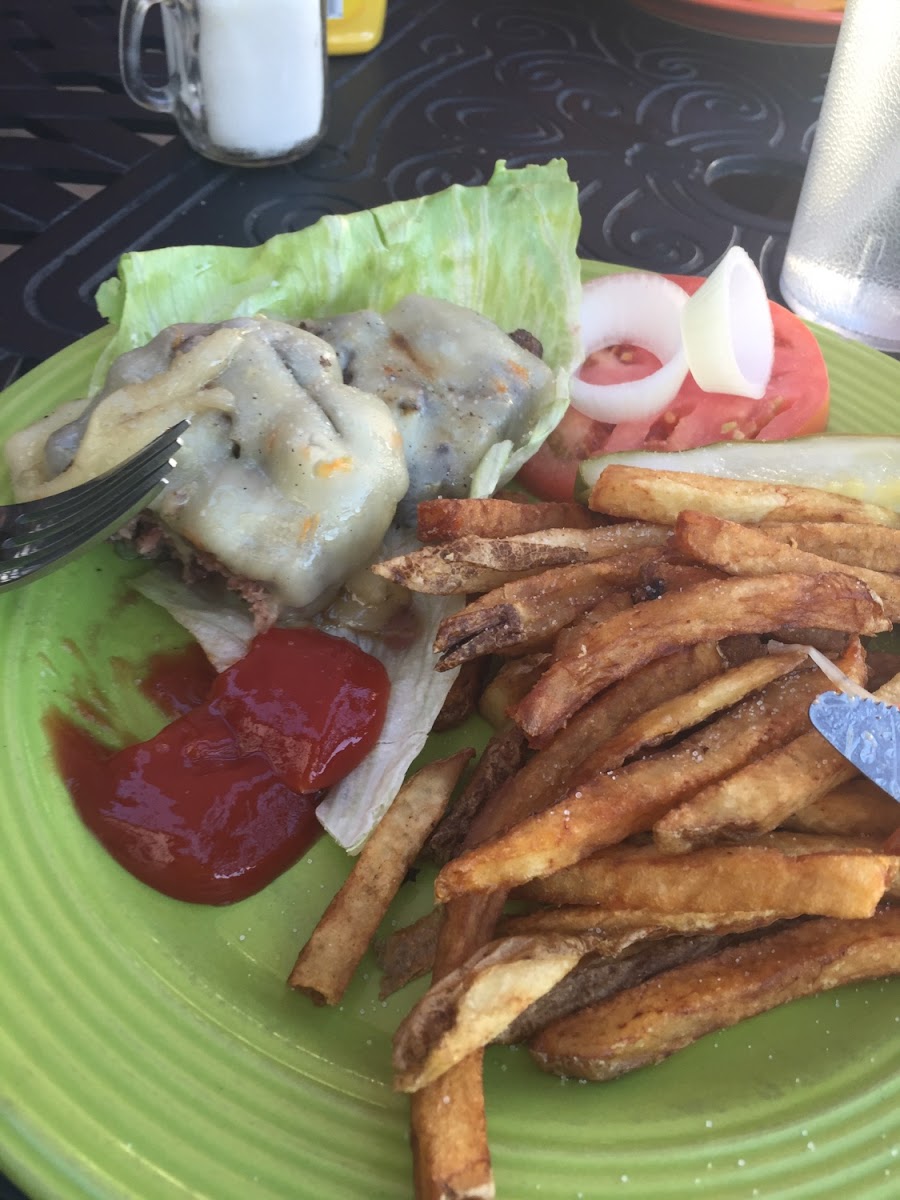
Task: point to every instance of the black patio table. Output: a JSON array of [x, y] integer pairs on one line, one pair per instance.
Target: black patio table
[[681, 142]]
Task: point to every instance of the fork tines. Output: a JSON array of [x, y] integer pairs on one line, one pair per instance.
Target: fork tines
[[39, 535]]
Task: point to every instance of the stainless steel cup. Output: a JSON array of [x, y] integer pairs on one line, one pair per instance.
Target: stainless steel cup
[[248, 79], [842, 266]]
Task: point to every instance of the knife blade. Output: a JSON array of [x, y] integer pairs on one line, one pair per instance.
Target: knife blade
[[865, 731]]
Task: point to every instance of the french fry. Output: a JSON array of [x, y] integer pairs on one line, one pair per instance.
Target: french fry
[[533, 608], [547, 775], [515, 677], [615, 805], [649, 494], [327, 962], [570, 639], [879, 549], [475, 564], [653, 922], [708, 612], [595, 978], [434, 571], [855, 808], [759, 796], [742, 550], [448, 1127], [687, 710], [408, 953], [668, 574], [556, 547], [647, 1023], [445, 520], [824, 882], [462, 699], [500, 759], [466, 1009], [448, 1134]]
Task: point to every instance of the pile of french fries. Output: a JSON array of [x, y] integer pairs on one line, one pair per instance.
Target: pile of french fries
[[655, 843]]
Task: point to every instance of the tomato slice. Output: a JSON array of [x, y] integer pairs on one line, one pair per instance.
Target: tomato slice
[[795, 404]]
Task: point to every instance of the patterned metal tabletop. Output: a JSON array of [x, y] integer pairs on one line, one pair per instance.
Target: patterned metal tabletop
[[681, 142]]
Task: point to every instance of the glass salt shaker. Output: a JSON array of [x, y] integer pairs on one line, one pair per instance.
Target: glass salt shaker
[[248, 79]]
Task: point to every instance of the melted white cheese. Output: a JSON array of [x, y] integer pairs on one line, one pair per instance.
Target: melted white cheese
[[287, 475]]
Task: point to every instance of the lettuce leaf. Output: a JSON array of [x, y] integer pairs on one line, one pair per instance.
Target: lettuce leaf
[[506, 249]]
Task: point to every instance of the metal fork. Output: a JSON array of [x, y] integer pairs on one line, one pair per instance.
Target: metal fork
[[40, 535]]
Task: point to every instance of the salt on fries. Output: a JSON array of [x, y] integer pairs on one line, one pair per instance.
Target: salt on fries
[[682, 849]]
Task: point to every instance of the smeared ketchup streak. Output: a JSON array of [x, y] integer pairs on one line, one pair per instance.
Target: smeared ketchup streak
[[223, 800]]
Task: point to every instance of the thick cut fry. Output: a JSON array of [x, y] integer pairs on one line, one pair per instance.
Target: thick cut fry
[[326, 963], [708, 612], [571, 639], [475, 564], [856, 808], [448, 1125], [448, 1133], [553, 547], [500, 759], [408, 953], [878, 549], [647, 1023], [547, 775], [653, 922], [615, 805], [597, 977], [759, 796], [687, 710], [445, 520], [533, 608], [462, 699], [742, 550], [435, 572], [725, 879], [468, 1008], [648, 494], [514, 679]]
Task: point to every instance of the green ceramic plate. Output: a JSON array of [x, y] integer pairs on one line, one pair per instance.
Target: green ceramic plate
[[150, 1049]]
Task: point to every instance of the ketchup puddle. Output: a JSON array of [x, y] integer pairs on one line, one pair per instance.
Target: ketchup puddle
[[222, 801]]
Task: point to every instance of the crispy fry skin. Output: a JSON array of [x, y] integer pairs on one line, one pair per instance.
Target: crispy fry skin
[[648, 494], [742, 550], [467, 1008], [475, 564], [533, 608], [571, 639], [856, 808], [326, 963], [879, 549], [707, 612], [647, 1023], [500, 759], [724, 879], [448, 1134], [654, 922], [763, 793], [597, 977], [548, 774], [686, 710], [462, 699], [445, 520], [509, 685], [448, 1128], [617, 804], [434, 571], [408, 953]]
